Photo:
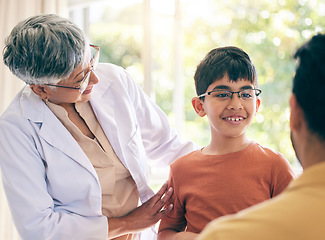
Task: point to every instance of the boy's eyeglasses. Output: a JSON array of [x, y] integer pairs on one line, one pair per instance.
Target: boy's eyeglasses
[[93, 64], [247, 94]]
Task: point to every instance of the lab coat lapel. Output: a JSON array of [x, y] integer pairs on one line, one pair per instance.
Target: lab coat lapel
[[115, 124], [105, 113], [52, 130], [121, 132], [59, 137], [114, 113]]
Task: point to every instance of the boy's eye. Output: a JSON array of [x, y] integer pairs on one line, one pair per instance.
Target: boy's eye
[[246, 94], [222, 94]]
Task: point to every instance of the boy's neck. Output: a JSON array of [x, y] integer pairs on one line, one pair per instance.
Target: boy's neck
[[226, 145]]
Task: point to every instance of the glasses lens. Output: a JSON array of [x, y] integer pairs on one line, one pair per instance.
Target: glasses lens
[[95, 56], [84, 83], [248, 94], [221, 94]]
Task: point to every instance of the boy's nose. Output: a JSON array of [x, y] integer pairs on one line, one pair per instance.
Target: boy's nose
[[235, 102]]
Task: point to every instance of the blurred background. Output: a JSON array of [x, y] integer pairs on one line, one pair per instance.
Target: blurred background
[[160, 43]]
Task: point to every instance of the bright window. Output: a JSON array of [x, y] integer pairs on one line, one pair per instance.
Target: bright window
[[160, 44]]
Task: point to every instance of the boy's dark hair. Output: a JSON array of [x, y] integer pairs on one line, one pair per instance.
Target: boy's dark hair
[[309, 83], [219, 62]]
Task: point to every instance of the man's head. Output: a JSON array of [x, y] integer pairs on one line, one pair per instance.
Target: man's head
[[309, 83], [307, 101], [224, 61]]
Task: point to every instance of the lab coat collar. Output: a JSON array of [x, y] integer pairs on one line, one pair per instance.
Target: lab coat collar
[[29, 98], [103, 85]]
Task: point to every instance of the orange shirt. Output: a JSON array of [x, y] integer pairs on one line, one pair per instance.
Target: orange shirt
[[298, 213], [210, 186]]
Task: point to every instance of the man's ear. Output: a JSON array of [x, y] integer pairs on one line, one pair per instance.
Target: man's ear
[[41, 91], [296, 114], [197, 104]]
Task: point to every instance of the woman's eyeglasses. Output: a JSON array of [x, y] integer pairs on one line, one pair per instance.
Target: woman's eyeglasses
[[85, 81]]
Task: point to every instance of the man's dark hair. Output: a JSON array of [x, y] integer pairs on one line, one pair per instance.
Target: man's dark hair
[[309, 83]]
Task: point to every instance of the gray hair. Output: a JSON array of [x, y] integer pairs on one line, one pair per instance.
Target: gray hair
[[44, 49]]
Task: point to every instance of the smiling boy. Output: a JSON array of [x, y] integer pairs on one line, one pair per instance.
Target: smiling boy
[[232, 172]]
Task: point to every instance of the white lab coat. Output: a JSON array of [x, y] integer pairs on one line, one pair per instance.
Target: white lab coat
[[51, 186]]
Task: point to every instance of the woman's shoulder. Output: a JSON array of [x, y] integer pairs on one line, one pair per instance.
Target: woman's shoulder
[[110, 71], [25, 109], [14, 110], [112, 75]]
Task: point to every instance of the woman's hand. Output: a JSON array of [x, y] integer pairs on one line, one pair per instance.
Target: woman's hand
[[143, 216]]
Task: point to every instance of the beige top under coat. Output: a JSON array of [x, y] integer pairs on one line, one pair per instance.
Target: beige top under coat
[[119, 192]]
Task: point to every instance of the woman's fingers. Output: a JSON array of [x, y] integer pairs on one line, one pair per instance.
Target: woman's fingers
[[160, 193], [164, 211], [158, 201], [163, 200], [149, 212]]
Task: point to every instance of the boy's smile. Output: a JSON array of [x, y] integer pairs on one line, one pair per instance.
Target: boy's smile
[[235, 119]]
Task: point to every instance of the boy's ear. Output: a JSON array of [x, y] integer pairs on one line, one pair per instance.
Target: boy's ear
[[258, 103], [197, 104], [40, 90]]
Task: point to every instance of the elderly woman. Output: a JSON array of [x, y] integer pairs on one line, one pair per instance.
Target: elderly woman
[[76, 140]]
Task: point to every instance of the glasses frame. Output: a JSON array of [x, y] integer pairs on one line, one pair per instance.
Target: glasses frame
[[85, 81], [257, 92]]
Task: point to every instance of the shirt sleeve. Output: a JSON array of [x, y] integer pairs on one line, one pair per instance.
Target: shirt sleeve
[[282, 173], [176, 216]]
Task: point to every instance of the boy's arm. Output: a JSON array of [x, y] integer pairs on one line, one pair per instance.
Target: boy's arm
[[174, 232], [283, 174]]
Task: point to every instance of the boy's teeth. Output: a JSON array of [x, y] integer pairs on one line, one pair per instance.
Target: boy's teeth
[[235, 119]]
